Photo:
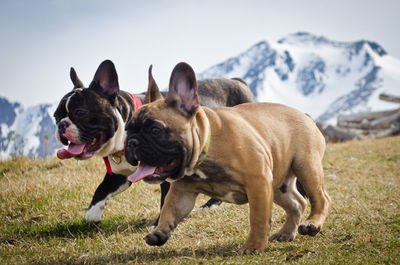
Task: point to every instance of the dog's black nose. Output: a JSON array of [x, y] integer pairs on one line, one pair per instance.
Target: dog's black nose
[[62, 126], [132, 143]]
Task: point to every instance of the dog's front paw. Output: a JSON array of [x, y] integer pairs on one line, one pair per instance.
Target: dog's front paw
[[251, 248], [94, 213], [308, 229], [156, 238], [282, 236]]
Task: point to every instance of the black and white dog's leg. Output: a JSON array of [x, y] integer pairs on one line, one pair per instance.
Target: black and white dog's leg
[[210, 204], [111, 185]]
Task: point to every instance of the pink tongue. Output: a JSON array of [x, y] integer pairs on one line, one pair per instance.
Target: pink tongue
[[73, 150], [142, 172]]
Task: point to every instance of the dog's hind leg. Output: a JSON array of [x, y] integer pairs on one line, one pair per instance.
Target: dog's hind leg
[[289, 198], [111, 185], [309, 171]]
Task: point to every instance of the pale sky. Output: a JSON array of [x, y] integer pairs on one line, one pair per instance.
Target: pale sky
[[42, 39]]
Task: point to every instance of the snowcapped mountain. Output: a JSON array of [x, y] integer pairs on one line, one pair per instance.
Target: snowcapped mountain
[[321, 77], [27, 131], [318, 76]]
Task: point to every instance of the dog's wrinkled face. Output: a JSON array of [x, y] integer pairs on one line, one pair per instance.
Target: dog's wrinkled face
[[160, 134], [86, 117], [161, 148]]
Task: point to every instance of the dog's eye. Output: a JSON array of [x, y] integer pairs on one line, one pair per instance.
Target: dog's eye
[[80, 113], [155, 131]]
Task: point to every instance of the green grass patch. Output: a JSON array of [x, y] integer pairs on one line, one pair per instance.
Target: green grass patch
[[43, 203]]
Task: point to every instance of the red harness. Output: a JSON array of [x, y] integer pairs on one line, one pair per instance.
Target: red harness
[[138, 104]]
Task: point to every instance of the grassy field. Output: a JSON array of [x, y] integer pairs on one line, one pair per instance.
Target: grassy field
[[42, 205]]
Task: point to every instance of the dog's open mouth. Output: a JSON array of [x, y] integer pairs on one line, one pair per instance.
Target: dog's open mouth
[[80, 151], [157, 172]]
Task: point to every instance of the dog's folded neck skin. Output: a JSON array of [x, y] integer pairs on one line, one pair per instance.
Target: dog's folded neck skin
[[201, 137], [117, 142]]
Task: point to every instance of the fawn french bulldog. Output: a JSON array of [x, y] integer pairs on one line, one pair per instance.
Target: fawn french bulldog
[[251, 153]]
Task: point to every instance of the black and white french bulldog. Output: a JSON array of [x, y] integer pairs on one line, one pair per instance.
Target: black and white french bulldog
[[91, 121]]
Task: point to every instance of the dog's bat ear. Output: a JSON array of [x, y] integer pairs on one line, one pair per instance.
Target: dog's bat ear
[[183, 89], [105, 80], [153, 92], [75, 79]]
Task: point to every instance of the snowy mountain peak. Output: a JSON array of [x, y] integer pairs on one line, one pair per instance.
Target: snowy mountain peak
[[302, 38], [314, 74], [377, 48]]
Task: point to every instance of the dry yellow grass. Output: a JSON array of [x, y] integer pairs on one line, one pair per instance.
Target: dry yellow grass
[[42, 205]]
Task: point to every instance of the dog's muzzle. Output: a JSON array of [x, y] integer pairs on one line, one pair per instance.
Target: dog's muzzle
[[130, 149], [62, 127]]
